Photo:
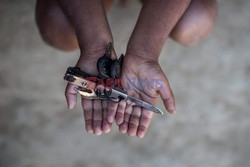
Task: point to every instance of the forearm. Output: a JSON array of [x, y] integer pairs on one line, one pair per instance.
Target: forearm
[[89, 20], [156, 21]]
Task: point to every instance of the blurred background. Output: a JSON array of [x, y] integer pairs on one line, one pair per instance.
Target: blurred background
[[211, 83]]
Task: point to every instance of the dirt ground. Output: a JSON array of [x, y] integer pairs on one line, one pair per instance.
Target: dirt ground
[[211, 83]]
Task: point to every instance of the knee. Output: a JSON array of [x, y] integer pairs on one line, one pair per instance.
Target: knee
[[197, 22], [54, 27]]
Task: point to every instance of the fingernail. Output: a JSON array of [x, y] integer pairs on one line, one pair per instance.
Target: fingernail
[[122, 129], [173, 112], [118, 121], [97, 131], [70, 105], [140, 134], [110, 119], [131, 132], [89, 129], [106, 129]]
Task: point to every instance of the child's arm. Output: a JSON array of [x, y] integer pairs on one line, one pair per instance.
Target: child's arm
[[156, 20], [89, 20], [88, 17]]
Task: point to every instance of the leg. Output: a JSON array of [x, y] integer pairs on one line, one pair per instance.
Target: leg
[[54, 26], [197, 22]]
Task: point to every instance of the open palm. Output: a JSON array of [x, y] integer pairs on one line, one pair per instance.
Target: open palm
[[97, 113], [145, 80]]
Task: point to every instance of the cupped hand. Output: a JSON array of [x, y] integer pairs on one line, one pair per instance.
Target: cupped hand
[[144, 79], [98, 114]]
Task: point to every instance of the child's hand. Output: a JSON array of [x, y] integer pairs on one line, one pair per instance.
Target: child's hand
[[135, 120], [95, 111]]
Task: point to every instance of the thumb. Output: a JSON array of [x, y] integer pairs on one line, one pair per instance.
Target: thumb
[[167, 96], [71, 96]]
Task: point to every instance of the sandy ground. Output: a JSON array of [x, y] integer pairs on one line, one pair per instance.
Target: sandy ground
[[210, 81]]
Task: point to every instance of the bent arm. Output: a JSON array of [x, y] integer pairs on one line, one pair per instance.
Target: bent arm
[[88, 17], [156, 21]]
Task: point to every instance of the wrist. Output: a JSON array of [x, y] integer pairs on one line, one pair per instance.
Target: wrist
[[141, 56], [96, 49], [142, 49]]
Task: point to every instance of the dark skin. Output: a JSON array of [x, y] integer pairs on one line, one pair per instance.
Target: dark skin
[[83, 24], [146, 50]]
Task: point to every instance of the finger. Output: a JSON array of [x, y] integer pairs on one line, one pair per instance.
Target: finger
[[134, 121], [112, 107], [123, 128], [97, 117], [146, 116], [119, 117], [106, 126], [71, 96], [167, 96], [88, 114]]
